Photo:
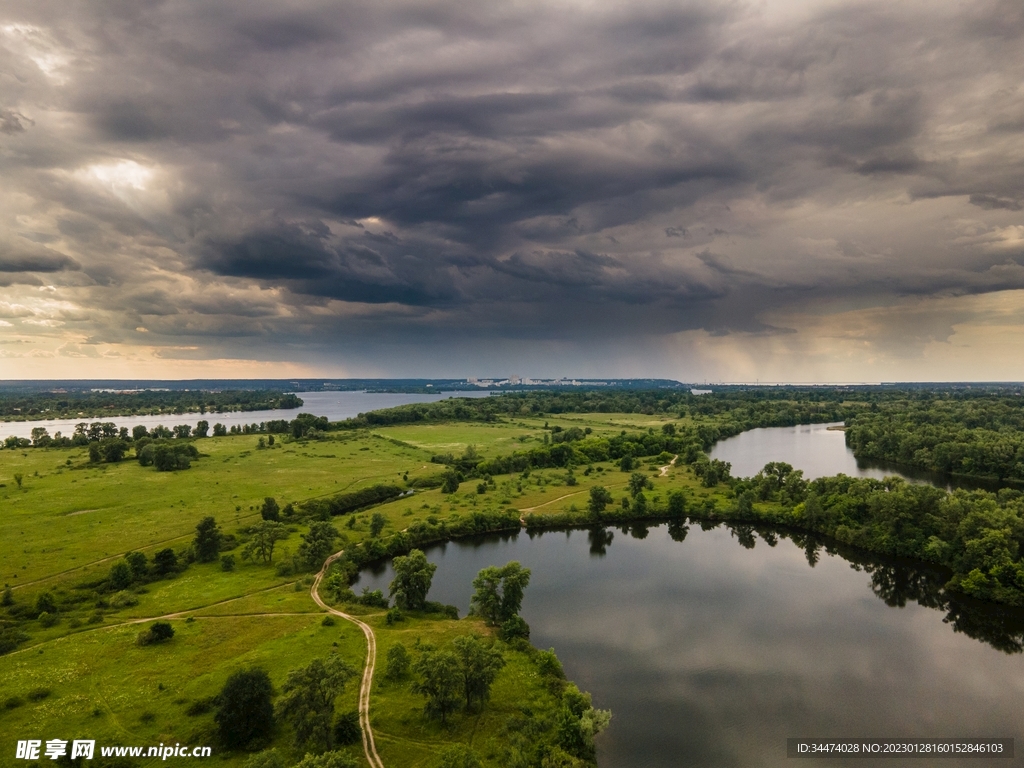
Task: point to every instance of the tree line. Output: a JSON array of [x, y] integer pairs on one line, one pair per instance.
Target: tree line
[[981, 437], [66, 405]]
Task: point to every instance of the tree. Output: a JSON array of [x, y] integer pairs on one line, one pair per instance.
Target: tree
[[578, 723], [202, 429], [637, 482], [676, 504], [245, 714], [440, 682], [499, 592], [478, 666], [413, 574], [120, 576], [45, 603], [113, 450], [270, 510], [451, 482], [308, 700], [165, 562], [139, 431], [219, 430], [398, 662], [263, 539], [318, 543], [206, 544], [137, 562], [599, 499], [377, 523], [8, 598], [183, 430]]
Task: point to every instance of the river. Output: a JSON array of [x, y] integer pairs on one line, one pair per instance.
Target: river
[[334, 405], [712, 654]]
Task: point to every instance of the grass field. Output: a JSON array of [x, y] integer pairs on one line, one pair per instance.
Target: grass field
[[69, 521]]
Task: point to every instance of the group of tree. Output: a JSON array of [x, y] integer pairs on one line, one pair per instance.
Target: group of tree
[[246, 714], [135, 569], [343, 503], [66, 405], [459, 673], [980, 436], [498, 596]]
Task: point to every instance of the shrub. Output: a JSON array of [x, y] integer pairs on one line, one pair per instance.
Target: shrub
[[346, 728], [398, 662], [38, 694], [158, 632], [47, 619], [227, 562], [123, 599]]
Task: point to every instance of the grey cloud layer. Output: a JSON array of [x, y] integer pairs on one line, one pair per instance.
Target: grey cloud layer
[[545, 170]]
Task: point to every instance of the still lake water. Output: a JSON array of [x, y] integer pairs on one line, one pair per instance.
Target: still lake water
[[713, 650], [712, 654], [334, 405]]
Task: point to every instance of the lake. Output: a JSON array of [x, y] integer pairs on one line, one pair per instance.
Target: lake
[[819, 452], [712, 650], [334, 405]]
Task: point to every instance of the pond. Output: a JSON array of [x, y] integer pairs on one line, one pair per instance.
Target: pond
[[712, 647], [334, 405]]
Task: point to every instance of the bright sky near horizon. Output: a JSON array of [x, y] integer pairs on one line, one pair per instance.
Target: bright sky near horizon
[[784, 190]]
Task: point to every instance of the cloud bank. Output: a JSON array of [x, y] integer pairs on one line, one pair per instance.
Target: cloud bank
[[804, 190]]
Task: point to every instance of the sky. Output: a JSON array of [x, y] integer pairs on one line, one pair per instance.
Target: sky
[[776, 190]]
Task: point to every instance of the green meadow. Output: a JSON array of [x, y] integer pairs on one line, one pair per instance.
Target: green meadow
[[68, 521]]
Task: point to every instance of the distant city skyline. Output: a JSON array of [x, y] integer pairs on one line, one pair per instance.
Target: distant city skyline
[[804, 191]]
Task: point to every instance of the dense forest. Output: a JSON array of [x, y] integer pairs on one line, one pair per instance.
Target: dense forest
[[71, 405], [729, 413], [981, 436]]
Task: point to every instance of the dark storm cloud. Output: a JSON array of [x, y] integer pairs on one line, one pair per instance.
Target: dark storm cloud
[[466, 169], [26, 256]]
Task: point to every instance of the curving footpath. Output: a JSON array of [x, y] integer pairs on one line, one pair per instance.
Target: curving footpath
[[371, 658]]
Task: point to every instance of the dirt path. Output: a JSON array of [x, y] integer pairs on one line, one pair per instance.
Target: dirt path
[[371, 658], [664, 470]]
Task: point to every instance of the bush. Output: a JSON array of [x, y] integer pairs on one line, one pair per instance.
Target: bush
[[374, 599], [398, 662], [394, 615], [123, 599], [47, 619], [201, 707], [158, 632], [227, 562], [38, 694], [514, 628], [347, 730]]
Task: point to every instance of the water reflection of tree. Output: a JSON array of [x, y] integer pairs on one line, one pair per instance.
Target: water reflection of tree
[[599, 538], [898, 582]]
